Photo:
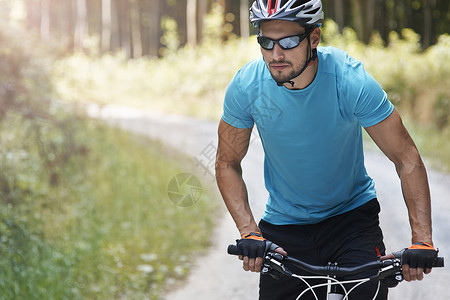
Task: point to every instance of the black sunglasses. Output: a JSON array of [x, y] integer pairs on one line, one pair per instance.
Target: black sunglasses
[[286, 43]]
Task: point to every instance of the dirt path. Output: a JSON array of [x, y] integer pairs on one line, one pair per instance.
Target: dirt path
[[219, 276]]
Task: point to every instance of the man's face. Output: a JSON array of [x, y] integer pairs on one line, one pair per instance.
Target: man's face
[[283, 64]]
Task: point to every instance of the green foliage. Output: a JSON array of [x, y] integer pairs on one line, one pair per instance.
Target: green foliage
[[29, 267], [84, 212], [36, 144], [107, 227], [189, 81], [213, 24], [415, 81], [128, 238], [170, 38]]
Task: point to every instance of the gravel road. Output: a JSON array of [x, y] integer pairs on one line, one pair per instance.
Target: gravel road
[[220, 276]]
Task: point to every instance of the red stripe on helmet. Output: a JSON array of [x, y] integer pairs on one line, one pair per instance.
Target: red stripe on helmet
[[271, 10]]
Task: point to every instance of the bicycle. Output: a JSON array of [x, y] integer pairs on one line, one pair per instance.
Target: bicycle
[[389, 270]]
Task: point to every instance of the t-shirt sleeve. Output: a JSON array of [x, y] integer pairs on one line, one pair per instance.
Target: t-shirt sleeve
[[236, 108], [370, 102]]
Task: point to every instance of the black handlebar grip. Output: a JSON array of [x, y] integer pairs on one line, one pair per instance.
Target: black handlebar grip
[[233, 250], [439, 262]]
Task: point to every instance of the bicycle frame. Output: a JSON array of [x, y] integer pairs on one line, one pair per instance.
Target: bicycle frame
[[273, 265]]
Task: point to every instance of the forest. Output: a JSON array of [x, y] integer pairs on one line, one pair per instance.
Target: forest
[[75, 205], [138, 27]]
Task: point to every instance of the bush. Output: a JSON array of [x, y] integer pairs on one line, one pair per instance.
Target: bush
[[415, 81], [29, 267], [37, 144], [189, 81]]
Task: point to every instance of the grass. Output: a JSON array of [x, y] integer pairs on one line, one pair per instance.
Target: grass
[[109, 229], [140, 238], [84, 208]]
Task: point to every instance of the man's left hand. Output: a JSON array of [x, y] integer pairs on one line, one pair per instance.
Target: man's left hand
[[416, 260]]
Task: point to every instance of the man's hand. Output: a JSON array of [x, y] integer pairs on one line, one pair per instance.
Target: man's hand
[[251, 248], [416, 260]]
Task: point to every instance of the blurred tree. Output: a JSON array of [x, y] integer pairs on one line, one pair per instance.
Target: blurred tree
[[429, 18], [364, 18], [191, 22], [33, 11], [151, 31], [106, 25], [202, 12], [244, 16], [136, 38], [45, 19], [339, 13], [428, 22], [134, 26], [124, 31], [232, 19], [82, 26]]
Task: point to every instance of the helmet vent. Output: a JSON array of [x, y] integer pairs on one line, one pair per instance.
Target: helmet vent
[[313, 12], [298, 3]]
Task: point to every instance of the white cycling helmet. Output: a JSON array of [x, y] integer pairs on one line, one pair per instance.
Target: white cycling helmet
[[304, 12]]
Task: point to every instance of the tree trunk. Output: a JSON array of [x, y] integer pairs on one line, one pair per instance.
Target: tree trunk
[[154, 35], [428, 23], [202, 12], [45, 19], [135, 21], [178, 12], [363, 15], [125, 28], [191, 22], [232, 22], [244, 19], [339, 13], [381, 17], [67, 22], [81, 30], [106, 25], [33, 8], [115, 26], [369, 18]]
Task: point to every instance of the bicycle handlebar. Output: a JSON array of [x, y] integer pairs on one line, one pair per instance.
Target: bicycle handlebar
[[274, 260]]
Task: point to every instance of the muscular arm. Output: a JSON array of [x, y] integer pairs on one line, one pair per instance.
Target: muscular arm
[[394, 140], [232, 147]]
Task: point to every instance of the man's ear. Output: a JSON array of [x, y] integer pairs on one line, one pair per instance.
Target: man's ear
[[315, 37]]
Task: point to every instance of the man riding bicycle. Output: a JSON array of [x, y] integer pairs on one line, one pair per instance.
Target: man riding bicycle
[[308, 104]]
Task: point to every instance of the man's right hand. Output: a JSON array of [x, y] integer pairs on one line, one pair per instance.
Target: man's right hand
[[251, 248]]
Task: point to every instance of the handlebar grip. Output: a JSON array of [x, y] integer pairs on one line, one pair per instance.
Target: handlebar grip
[[232, 250], [439, 262]]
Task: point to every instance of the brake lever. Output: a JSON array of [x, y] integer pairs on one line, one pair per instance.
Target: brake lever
[[273, 265]]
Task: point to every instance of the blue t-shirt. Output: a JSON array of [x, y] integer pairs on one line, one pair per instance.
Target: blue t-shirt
[[312, 139]]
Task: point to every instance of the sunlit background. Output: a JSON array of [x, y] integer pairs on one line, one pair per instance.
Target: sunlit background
[[84, 212]]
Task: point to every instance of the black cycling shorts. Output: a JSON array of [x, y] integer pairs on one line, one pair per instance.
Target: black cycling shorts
[[349, 239]]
